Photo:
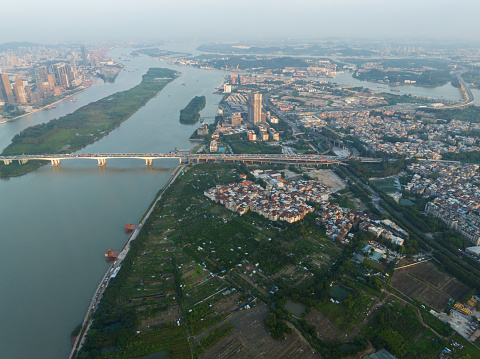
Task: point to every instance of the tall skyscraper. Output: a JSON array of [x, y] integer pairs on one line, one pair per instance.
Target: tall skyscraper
[[61, 74], [6, 89], [42, 73], [51, 80], [84, 55], [254, 107], [73, 64], [19, 91], [40, 87]]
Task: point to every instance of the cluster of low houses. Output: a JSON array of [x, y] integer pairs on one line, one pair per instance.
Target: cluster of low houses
[[287, 202]]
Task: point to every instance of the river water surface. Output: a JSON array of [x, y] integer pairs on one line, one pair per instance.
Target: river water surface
[[56, 223]]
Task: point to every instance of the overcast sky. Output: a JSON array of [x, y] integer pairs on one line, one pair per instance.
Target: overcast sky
[[85, 20]]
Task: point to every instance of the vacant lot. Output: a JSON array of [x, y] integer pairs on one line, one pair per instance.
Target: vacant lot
[[250, 339], [325, 328], [425, 283], [428, 273], [329, 179], [445, 283]]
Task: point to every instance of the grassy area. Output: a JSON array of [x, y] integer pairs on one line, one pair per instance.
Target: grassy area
[[240, 144], [393, 99], [171, 338], [217, 334], [468, 351], [436, 324], [349, 313], [84, 126]]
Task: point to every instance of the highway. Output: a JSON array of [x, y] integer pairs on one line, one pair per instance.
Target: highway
[[314, 159], [102, 158], [467, 94]]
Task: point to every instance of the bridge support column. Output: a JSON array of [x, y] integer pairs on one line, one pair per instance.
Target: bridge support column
[[102, 162], [21, 162], [148, 161], [7, 162], [55, 162]]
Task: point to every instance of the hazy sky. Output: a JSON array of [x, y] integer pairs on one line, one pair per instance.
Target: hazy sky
[[65, 20]]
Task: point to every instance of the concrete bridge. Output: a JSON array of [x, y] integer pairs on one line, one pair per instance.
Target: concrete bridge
[[101, 158], [466, 93]]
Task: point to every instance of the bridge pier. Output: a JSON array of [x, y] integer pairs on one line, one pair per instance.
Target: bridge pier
[[55, 162], [149, 161], [7, 162], [23, 161], [102, 162]]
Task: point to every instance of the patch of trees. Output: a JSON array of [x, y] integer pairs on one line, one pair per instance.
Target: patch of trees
[[423, 222], [191, 113], [466, 157], [277, 327], [468, 114], [395, 329]]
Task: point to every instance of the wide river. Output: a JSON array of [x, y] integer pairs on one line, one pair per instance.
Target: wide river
[[57, 223]]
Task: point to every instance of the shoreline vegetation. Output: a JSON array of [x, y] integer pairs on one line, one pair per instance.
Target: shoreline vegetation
[[191, 113], [158, 53], [84, 126]]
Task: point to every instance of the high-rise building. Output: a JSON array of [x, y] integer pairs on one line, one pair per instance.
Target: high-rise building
[[6, 89], [84, 55], [254, 107], [61, 74], [28, 92], [40, 87], [42, 72], [51, 80], [73, 64], [232, 79], [94, 61], [19, 91], [236, 119]]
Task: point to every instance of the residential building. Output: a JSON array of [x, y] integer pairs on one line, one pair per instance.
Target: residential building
[[254, 107], [6, 89], [19, 91]]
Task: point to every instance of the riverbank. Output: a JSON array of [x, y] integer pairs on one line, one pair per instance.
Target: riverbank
[[102, 286], [43, 107], [86, 125]]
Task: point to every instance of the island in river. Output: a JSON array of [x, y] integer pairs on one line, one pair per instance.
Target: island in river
[[84, 126], [191, 113]]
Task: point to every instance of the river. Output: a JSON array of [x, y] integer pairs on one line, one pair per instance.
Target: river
[[56, 223]]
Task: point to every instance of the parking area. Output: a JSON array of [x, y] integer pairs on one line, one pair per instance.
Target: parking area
[[459, 322]]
